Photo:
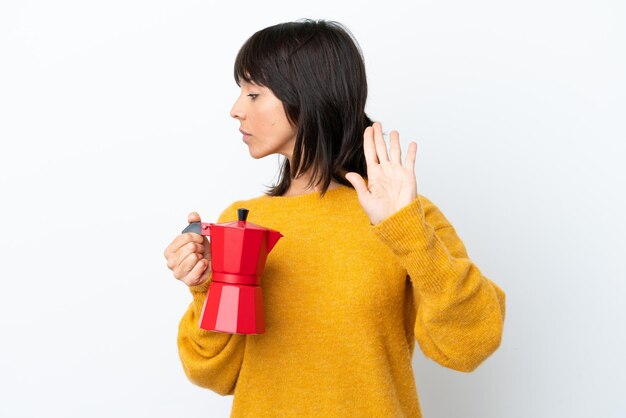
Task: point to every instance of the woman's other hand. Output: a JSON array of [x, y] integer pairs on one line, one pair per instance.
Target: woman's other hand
[[390, 185]]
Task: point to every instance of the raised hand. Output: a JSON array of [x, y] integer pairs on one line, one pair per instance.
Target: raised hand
[[390, 185]]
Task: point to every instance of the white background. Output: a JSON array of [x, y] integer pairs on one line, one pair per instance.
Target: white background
[[114, 125]]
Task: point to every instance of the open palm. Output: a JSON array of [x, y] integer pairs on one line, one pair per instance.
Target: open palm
[[390, 184]]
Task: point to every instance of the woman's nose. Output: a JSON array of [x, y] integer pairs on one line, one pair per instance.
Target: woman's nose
[[236, 111]]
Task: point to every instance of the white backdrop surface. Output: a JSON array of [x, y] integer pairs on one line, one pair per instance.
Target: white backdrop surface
[[114, 125]]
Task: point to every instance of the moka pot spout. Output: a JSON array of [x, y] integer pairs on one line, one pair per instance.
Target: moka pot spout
[[272, 239]]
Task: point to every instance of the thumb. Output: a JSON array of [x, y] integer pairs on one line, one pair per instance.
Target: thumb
[[193, 217], [357, 182]]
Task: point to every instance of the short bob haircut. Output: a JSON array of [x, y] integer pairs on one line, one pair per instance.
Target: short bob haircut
[[316, 69]]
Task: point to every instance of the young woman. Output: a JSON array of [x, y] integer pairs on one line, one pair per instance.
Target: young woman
[[367, 266]]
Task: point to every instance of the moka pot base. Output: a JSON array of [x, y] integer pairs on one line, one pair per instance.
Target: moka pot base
[[233, 308]]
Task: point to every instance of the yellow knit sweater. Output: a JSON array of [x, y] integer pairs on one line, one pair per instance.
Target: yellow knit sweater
[[344, 303]]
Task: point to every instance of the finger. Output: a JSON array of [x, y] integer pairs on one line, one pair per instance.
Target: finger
[[395, 151], [411, 156], [193, 217], [180, 241], [186, 265], [379, 141], [369, 148], [190, 247], [196, 275], [357, 182]]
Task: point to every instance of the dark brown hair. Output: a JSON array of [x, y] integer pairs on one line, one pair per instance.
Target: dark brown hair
[[316, 69]]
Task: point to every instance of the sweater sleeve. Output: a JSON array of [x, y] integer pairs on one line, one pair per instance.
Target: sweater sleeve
[[460, 312], [210, 359]]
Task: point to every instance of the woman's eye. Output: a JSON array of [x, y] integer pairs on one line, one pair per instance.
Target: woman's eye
[[253, 96]]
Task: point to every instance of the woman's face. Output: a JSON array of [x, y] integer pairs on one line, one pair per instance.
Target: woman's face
[[263, 122]]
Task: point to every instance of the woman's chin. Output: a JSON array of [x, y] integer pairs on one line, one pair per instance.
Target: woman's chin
[[256, 155]]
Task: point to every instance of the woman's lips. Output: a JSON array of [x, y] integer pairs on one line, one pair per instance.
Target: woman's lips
[[245, 134]]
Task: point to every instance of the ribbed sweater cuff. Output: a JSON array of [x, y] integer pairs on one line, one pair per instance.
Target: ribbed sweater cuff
[[199, 294], [419, 250], [201, 288]]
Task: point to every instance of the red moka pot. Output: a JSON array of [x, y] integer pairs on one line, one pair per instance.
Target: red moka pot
[[234, 302]]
